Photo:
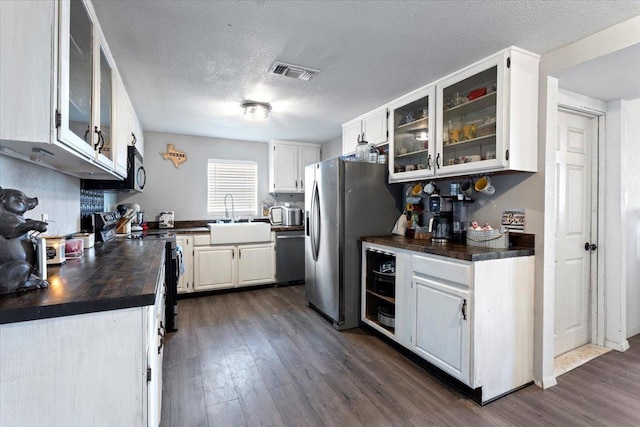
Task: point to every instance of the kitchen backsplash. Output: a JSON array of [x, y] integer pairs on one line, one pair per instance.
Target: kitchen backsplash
[[58, 194]]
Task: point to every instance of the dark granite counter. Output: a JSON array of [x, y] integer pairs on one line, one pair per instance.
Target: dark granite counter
[[453, 250], [114, 275], [279, 228], [192, 230]]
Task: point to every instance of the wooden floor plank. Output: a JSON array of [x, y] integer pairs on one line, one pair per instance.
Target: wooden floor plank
[[226, 414], [262, 357]]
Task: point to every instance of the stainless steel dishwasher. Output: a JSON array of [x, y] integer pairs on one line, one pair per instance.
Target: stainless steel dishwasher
[[289, 256]]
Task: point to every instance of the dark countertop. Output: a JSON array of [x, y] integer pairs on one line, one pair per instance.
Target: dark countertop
[[180, 230], [451, 250], [113, 275], [287, 227]]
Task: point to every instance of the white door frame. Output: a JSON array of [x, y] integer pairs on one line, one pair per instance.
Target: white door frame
[[567, 104]]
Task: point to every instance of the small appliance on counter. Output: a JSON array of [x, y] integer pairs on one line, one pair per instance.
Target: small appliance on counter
[[462, 217], [440, 224], [165, 220], [287, 215]]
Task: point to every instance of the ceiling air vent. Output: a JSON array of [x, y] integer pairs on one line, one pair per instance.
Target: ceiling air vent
[[293, 71]]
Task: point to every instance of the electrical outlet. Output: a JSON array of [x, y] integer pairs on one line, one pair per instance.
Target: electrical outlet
[[45, 217]]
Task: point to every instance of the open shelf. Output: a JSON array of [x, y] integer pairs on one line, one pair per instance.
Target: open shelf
[[382, 297], [375, 320]]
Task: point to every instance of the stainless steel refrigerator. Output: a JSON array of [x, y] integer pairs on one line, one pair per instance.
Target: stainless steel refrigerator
[[344, 201]]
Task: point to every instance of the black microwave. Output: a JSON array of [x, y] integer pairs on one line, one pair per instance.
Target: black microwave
[[135, 180]]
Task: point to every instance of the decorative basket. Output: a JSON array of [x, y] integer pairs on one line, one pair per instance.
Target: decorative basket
[[488, 239]]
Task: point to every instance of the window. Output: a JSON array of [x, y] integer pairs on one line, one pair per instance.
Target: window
[[236, 177]]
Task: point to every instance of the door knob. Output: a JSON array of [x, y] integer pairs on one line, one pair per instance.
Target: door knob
[[590, 246]]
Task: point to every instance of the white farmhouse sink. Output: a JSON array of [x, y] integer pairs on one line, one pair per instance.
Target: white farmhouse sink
[[239, 232]]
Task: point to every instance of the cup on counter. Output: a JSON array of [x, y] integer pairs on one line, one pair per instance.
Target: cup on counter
[[483, 185]]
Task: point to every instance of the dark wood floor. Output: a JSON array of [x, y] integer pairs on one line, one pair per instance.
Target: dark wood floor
[[262, 357]]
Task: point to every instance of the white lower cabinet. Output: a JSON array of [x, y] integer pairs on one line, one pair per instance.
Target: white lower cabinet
[[442, 333], [185, 280], [223, 267], [473, 320], [92, 369]]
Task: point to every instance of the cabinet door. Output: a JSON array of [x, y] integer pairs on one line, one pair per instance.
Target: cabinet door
[[26, 70], [121, 128], [155, 353], [137, 138], [307, 154], [75, 94], [442, 333], [256, 264], [185, 280], [374, 127], [285, 168], [412, 136], [350, 134], [103, 101], [471, 115], [214, 267]]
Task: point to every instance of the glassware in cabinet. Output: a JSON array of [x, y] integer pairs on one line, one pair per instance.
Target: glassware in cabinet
[[411, 141], [468, 114]]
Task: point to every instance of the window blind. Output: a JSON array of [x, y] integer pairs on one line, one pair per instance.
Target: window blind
[[236, 177]]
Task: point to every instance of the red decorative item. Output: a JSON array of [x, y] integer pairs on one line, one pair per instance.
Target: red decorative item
[[477, 93]]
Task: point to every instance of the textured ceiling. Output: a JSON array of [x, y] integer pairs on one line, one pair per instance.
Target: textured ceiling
[[188, 65]]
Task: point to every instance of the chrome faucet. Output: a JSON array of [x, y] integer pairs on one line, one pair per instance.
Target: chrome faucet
[[226, 211]]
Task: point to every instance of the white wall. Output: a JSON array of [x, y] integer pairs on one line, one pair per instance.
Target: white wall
[[630, 141], [332, 149], [184, 189], [58, 194]]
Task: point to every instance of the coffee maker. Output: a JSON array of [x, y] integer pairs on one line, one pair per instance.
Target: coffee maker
[[462, 217], [440, 224]]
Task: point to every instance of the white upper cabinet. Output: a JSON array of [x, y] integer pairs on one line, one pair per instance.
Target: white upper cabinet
[[61, 95], [483, 118], [287, 161], [371, 127], [488, 114], [411, 136], [27, 70], [86, 85]]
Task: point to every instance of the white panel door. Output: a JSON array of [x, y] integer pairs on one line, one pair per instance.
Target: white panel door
[[214, 267], [574, 207]]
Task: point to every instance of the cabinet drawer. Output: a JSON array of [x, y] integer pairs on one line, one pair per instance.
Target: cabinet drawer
[[452, 271], [201, 239]]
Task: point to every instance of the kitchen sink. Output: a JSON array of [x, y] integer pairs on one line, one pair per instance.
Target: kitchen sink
[[239, 232]]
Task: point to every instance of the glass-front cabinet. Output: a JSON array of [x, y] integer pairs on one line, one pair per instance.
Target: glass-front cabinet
[[487, 116], [411, 136], [86, 85], [468, 109], [478, 120]]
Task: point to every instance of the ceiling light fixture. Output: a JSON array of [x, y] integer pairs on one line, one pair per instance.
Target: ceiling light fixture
[[256, 110]]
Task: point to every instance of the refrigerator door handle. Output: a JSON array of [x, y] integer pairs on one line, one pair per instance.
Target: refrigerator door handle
[[316, 222]]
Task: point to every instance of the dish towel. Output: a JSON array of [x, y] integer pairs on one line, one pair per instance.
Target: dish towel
[[180, 261]]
